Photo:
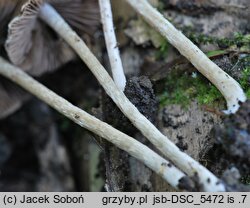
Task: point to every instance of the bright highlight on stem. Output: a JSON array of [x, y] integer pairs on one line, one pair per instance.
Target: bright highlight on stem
[[111, 44]]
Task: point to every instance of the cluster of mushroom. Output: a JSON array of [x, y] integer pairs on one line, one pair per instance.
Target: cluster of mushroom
[[32, 46]]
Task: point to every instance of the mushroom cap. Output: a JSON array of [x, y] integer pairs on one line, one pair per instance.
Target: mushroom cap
[[34, 47], [11, 97]]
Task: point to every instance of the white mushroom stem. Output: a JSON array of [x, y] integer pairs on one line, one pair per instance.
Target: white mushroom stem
[[230, 89], [111, 44], [168, 148], [141, 152]]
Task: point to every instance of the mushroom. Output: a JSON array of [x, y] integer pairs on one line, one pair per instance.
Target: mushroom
[[49, 15], [230, 89], [35, 48], [11, 96], [111, 44], [136, 149]]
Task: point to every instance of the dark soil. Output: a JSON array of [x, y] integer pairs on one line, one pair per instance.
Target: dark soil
[[140, 92]]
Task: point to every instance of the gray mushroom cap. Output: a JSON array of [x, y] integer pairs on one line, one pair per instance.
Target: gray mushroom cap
[[11, 96], [34, 47]]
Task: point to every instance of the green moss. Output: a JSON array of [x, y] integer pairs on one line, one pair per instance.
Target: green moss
[[238, 40], [208, 94], [181, 89], [245, 81]]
